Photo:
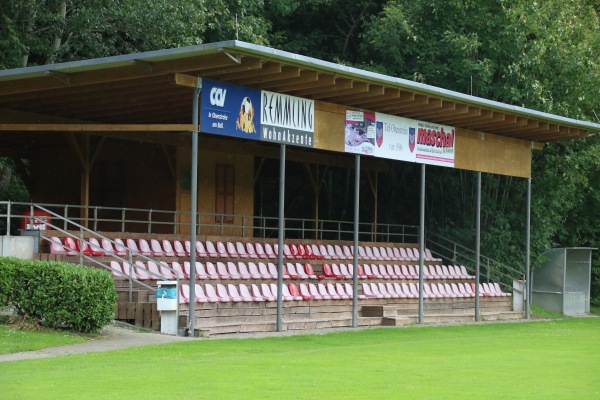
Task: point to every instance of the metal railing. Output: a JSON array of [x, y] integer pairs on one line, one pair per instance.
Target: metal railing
[[147, 220], [490, 269], [83, 236], [115, 219]]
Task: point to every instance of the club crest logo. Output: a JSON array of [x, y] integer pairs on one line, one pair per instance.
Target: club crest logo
[[379, 134], [411, 139]]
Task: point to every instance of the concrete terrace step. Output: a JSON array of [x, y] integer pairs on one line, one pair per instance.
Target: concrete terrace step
[[287, 325]]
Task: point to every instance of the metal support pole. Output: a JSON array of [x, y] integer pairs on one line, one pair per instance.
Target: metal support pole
[[280, 236], [193, 214], [355, 253], [421, 242], [477, 244], [527, 285], [8, 219]]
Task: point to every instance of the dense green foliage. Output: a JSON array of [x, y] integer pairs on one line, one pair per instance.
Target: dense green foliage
[[58, 294], [541, 55], [538, 360]]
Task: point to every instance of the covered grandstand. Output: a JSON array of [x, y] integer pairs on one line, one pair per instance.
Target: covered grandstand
[[168, 146]]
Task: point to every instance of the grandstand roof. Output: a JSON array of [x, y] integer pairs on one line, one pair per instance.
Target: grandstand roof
[[153, 88]]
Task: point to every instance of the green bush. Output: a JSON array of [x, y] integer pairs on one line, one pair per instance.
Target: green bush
[[58, 294]]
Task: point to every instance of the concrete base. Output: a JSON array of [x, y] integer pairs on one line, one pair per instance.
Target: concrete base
[[17, 246], [518, 295]]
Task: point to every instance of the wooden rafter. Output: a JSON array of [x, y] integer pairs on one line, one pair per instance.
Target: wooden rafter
[[99, 127]]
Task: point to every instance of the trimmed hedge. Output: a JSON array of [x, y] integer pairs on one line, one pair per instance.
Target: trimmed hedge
[[58, 294]]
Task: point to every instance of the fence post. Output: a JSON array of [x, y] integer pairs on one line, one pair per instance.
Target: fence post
[[96, 218], [8, 219], [66, 217], [150, 221], [221, 227], [339, 230], [130, 277], [175, 223], [80, 245], [123, 220], [454, 253], [243, 225]]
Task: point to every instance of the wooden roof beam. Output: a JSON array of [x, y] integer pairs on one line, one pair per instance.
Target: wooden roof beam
[[430, 103], [487, 119], [333, 96], [98, 127], [322, 80], [246, 64], [286, 73], [339, 84], [100, 98], [126, 106], [446, 108], [389, 95], [53, 96], [531, 125], [417, 99], [305, 77], [458, 119], [402, 97], [377, 91], [131, 71]]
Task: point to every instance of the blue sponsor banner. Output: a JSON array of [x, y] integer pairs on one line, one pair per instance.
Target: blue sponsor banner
[[230, 110]]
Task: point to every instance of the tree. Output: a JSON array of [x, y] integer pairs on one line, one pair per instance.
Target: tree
[[46, 31]]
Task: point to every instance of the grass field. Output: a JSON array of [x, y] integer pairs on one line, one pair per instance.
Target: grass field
[[537, 360], [13, 340]]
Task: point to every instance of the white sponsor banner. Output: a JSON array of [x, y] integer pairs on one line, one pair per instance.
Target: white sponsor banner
[[287, 119], [399, 138]]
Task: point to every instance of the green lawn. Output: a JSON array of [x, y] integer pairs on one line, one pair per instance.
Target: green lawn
[[536, 360], [13, 340]]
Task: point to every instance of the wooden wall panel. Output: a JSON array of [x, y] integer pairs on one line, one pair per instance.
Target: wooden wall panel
[[125, 174], [329, 126], [244, 189], [493, 154]]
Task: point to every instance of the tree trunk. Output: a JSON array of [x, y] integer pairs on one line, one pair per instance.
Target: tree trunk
[[57, 39]]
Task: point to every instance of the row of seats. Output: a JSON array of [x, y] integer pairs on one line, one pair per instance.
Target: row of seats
[[166, 248], [251, 270], [209, 293], [430, 290]]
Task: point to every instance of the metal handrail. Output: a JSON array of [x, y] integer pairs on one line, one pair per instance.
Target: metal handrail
[[457, 253], [255, 226], [336, 230], [131, 253]]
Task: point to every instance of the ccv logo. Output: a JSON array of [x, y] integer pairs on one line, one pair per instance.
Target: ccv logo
[[217, 96]]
